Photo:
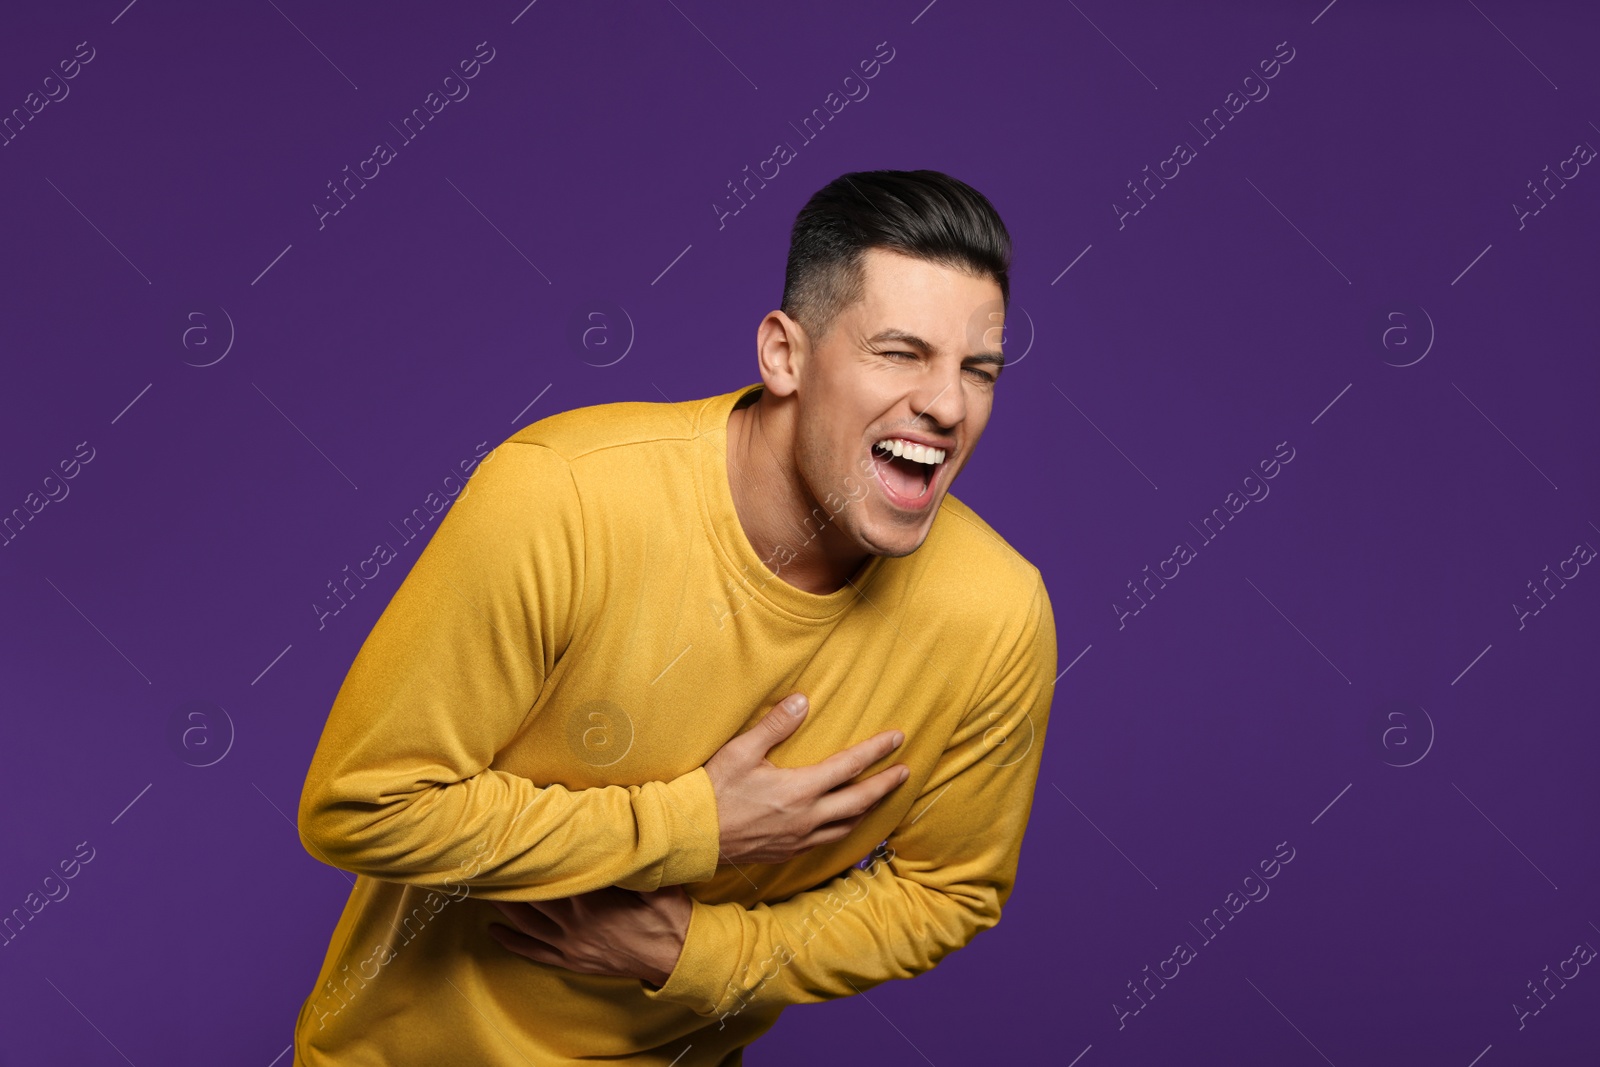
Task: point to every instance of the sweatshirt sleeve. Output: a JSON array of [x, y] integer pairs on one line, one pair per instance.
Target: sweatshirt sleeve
[[401, 786], [943, 878]]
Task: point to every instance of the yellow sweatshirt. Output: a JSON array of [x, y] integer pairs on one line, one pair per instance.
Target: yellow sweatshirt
[[530, 716]]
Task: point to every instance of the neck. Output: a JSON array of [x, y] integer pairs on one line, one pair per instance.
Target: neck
[[779, 516]]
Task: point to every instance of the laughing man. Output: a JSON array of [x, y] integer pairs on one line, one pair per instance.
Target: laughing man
[[587, 824]]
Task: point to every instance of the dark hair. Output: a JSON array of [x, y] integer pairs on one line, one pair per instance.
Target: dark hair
[[921, 213]]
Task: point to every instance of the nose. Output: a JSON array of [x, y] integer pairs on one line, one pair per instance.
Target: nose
[[938, 395]]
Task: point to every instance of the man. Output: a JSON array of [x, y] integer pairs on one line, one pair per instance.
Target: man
[[583, 828]]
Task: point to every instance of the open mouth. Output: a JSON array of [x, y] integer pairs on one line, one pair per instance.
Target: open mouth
[[908, 478]]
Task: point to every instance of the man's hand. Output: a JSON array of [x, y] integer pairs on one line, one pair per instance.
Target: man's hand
[[769, 814], [610, 931]]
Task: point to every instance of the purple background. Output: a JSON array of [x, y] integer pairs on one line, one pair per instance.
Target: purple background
[[1244, 306]]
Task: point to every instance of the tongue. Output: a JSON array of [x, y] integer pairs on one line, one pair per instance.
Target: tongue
[[902, 475]]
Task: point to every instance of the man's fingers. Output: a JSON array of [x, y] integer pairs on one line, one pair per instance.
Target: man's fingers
[[854, 801], [778, 723], [523, 945], [847, 763], [828, 833], [529, 920]]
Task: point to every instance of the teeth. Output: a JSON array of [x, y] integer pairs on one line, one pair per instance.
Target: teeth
[[912, 450]]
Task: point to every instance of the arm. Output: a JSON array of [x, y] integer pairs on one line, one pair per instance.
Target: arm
[[401, 787], [948, 872]]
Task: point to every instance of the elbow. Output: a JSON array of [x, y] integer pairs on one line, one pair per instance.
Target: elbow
[[977, 908], [395, 837], [343, 833], [322, 832], [947, 921]]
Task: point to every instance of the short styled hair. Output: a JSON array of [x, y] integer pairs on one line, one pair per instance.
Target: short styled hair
[[920, 213]]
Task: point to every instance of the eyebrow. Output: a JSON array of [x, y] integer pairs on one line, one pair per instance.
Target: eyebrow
[[995, 359]]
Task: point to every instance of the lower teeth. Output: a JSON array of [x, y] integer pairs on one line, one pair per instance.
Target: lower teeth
[[927, 471]]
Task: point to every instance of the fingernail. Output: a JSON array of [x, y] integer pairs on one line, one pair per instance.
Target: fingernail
[[906, 773], [898, 738], [796, 704]]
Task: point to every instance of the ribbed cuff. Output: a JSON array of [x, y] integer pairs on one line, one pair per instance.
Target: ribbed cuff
[[691, 812], [703, 977]]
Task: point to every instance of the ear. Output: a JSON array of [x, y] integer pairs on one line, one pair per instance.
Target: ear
[[782, 349]]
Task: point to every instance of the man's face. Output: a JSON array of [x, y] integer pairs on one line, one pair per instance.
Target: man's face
[[912, 362]]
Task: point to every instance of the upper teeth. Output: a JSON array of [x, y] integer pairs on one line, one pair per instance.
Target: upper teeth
[[912, 450]]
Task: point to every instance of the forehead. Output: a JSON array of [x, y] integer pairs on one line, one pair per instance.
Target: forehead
[[929, 299]]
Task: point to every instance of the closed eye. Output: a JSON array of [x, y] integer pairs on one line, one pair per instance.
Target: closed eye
[[983, 376]]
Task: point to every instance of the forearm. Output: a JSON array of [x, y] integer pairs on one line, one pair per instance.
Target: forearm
[[509, 839], [857, 931]]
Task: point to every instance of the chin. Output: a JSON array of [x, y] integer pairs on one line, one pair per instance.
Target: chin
[[896, 542]]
